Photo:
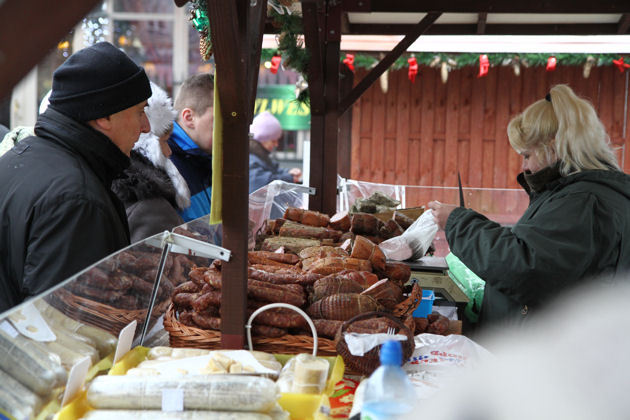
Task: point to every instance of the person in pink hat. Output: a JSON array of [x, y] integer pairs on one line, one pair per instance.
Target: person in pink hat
[[266, 132]]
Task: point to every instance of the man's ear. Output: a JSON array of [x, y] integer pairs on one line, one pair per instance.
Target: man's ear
[[187, 118], [103, 125]]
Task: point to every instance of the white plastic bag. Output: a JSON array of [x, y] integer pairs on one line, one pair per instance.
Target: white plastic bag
[[437, 360], [414, 242]]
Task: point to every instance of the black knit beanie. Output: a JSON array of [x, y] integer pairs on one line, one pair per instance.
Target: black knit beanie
[[98, 81]]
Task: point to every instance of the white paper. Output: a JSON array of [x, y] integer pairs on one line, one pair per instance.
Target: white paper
[[76, 379], [125, 338], [195, 365], [8, 328], [30, 323], [359, 344], [172, 399]]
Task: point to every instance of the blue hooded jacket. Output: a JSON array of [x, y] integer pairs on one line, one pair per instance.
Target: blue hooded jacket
[[195, 165]]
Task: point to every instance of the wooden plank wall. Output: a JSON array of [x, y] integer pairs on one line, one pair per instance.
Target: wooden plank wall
[[424, 133]]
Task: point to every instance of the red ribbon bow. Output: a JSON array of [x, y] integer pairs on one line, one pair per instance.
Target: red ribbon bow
[[275, 63], [621, 65], [484, 65], [551, 63], [413, 69], [349, 61]]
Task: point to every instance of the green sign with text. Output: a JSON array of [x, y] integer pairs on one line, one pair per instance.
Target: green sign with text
[[280, 101]]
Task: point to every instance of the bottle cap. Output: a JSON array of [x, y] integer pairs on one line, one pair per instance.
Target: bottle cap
[[391, 353]]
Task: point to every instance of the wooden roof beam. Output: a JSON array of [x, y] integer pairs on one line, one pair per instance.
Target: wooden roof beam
[[501, 6], [624, 24], [29, 33], [380, 68], [496, 29]]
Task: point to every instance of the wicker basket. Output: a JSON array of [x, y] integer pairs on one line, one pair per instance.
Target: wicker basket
[[181, 335], [98, 314], [367, 363]]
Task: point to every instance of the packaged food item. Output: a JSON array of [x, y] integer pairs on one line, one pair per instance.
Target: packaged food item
[[310, 374]]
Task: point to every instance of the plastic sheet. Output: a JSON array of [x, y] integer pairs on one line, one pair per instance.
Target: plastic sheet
[[270, 202], [502, 205], [471, 283]]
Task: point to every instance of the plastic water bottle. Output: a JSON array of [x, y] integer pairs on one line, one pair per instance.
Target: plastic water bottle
[[388, 393]]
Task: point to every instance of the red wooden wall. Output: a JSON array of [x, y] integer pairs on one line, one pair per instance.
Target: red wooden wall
[[424, 133]]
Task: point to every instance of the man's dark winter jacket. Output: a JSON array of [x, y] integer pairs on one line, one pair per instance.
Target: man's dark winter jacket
[[576, 228], [58, 214]]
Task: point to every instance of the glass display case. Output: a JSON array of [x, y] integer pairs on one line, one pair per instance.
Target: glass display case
[[43, 338]]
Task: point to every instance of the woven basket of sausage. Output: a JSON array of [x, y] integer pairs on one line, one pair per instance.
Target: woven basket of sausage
[[182, 335], [101, 315], [373, 323]]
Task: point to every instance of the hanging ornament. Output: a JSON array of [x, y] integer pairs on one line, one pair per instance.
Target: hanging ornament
[[300, 86], [484, 65], [349, 61], [551, 63], [384, 79], [435, 62], [444, 71], [621, 65], [275, 63], [413, 69], [516, 65], [590, 62]]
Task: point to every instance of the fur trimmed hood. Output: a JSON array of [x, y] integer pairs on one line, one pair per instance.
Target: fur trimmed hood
[[148, 146]]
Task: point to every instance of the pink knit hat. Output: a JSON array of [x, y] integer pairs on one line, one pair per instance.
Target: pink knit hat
[[265, 127]]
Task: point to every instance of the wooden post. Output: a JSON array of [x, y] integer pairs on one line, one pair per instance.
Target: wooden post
[[345, 125], [324, 92], [232, 31]]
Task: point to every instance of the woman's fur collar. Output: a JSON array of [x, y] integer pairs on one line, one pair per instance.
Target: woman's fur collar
[[148, 146]]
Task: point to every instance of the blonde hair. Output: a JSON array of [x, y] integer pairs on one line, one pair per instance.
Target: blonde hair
[[196, 93], [564, 129]]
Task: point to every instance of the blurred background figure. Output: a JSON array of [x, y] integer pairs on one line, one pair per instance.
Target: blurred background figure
[[266, 131], [570, 362], [152, 189]]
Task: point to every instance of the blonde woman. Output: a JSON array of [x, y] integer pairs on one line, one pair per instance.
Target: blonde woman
[[576, 227]]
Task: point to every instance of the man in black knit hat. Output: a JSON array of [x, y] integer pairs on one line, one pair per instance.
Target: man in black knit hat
[[58, 214]]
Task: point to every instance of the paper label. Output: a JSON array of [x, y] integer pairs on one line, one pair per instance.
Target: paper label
[[172, 399], [30, 323], [76, 379], [125, 339], [8, 328]]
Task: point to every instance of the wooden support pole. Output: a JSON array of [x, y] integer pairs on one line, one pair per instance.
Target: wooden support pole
[[311, 16], [228, 23]]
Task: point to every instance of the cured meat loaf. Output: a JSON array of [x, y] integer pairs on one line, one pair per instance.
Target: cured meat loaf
[[342, 306], [365, 224], [307, 217], [283, 278], [297, 230], [365, 249], [331, 285], [294, 245]]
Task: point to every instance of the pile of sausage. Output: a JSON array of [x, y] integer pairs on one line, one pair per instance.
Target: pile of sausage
[[126, 280], [308, 260]]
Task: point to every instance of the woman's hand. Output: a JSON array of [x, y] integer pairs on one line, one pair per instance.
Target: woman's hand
[[297, 174], [441, 212]]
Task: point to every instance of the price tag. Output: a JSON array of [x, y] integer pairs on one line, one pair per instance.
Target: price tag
[[125, 339], [8, 328], [172, 399], [76, 379]]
